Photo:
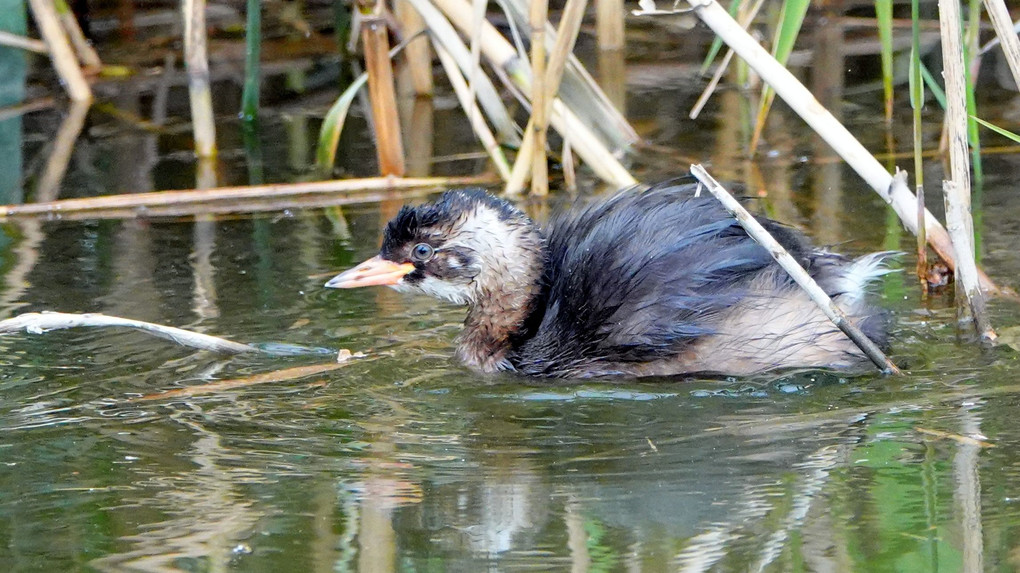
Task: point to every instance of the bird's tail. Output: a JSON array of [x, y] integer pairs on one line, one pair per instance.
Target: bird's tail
[[854, 281]]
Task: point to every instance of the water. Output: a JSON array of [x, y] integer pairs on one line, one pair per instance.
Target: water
[[404, 460]]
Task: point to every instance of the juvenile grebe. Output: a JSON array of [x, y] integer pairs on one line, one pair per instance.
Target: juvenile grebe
[[655, 282]]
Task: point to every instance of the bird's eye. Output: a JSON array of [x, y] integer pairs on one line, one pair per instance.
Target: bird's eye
[[422, 252]]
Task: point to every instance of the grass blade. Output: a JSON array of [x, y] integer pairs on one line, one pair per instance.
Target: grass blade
[[936, 89], [717, 43], [1003, 132], [333, 124]]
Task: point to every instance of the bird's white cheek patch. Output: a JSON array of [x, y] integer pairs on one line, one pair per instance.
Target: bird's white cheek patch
[[457, 294]]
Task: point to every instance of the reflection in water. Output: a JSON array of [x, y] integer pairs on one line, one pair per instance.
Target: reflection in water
[[207, 516], [968, 486], [25, 251], [48, 188]]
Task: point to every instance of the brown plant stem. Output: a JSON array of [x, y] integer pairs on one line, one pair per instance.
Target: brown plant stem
[[382, 93]]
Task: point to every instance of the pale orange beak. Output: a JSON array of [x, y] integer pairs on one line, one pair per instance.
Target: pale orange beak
[[374, 271]]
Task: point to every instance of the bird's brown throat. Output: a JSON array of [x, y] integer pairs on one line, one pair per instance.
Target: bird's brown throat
[[506, 297]]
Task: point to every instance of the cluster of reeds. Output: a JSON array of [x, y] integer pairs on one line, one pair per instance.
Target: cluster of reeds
[[960, 56], [480, 63]]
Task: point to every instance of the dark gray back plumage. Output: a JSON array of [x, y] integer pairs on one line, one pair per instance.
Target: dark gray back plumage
[[642, 276]]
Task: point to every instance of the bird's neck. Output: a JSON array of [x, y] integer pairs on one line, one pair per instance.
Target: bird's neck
[[506, 299]]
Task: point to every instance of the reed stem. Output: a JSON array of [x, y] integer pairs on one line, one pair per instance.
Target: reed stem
[[916, 85], [86, 53], [1003, 24], [28, 44], [231, 199], [61, 53], [418, 54], [566, 37], [956, 190], [197, 63], [609, 24], [382, 93], [504, 58], [537, 126], [252, 62]]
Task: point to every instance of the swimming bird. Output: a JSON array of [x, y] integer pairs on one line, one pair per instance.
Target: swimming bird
[[655, 282]]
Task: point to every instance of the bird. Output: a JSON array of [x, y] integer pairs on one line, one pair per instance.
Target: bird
[[655, 281]]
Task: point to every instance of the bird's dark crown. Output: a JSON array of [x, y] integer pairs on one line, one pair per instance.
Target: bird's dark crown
[[415, 223]]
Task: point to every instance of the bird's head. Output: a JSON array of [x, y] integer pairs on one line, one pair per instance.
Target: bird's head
[[465, 245]]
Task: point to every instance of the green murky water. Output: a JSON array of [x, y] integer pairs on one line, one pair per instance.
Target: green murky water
[[403, 460]]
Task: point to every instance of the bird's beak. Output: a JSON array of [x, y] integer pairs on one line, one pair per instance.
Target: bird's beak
[[374, 271]]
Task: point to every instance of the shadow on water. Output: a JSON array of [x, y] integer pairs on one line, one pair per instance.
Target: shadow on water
[[403, 460]]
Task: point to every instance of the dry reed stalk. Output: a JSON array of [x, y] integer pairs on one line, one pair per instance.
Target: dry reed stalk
[[580, 91], [796, 272], [503, 57], [479, 9], [922, 244], [232, 199], [444, 33], [481, 129], [417, 53], [197, 64], [609, 24], [21, 42], [382, 94], [612, 69], [569, 173], [39, 322], [1003, 24], [892, 189], [966, 269], [86, 53], [59, 48], [956, 191], [954, 75], [522, 164], [566, 37], [539, 112]]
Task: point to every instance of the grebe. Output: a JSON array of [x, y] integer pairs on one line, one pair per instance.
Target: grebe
[[645, 283]]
